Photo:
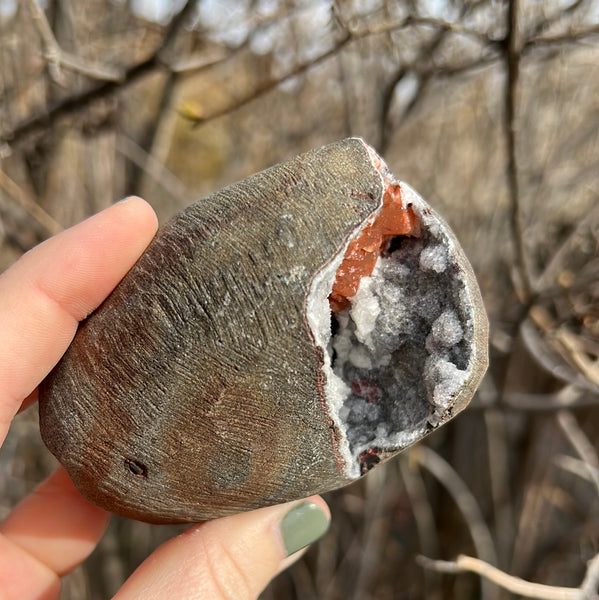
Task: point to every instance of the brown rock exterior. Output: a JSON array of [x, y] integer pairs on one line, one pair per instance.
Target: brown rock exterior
[[214, 380]]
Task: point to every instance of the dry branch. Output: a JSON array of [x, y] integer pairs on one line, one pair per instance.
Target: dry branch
[[58, 58], [581, 443], [458, 65], [21, 197], [575, 466], [570, 396], [590, 583], [508, 582], [566, 344], [512, 61], [117, 81], [464, 500], [424, 515], [80, 101], [153, 167], [572, 36]]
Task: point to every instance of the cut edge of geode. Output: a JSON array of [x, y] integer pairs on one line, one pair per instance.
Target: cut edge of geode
[[405, 349]]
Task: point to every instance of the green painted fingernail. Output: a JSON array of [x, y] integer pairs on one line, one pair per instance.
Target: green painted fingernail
[[302, 525]]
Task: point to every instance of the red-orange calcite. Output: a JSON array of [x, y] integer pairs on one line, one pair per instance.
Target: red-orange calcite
[[361, 255]]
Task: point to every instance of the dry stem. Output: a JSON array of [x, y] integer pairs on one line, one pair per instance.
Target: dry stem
[[464, 500], [581, 443], [58, 58], [513, 584], [32, 208]]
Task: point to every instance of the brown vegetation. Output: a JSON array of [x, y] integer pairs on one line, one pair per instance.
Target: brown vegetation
[[488, 108]]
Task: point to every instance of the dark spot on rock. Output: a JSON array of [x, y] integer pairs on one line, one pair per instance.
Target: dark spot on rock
[[136, 468]]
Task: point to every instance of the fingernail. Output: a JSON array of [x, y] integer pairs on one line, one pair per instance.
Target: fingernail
[[302, 525]]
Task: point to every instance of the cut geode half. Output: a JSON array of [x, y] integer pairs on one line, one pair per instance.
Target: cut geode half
[[400, 359], [276, 339]]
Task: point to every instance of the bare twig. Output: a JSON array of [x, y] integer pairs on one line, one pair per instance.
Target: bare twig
[[271, 84], [512, 62], [386, 124], [350, 34], [464, 500], [581, 443], [198, 62], [58, 58], [154, 168], [570, 396], [345, 564], [570, 345], [410, 21], [575, 466], [80, 101], [565, 344], [499, 475], [568, 37], [548, 356], [557, 262], [423, 514], [375, 524], [590, 583], [17, 193], [508, 582], [539, 28]]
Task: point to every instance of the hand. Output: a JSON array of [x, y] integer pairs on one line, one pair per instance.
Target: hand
[[42, 298]]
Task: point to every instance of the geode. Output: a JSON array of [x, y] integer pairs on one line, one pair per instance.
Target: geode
[[277, 339]]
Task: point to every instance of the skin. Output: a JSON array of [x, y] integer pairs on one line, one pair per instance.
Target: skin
[[42, 298]]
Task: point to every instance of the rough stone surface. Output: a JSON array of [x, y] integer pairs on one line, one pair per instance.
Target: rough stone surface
[[203, 385]]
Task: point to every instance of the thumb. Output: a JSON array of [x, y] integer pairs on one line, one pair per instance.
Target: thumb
[[230, 558]]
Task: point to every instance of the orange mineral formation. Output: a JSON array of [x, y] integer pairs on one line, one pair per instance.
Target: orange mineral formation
[[361, 255]]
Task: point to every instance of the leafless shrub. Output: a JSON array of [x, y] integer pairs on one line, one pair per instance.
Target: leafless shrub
[[488, 108]]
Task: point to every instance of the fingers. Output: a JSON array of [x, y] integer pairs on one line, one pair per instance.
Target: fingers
[[230, 558], [42, 299], [55, 285], [55, 524], [23, 577]]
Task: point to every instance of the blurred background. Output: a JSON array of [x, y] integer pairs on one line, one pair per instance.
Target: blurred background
[[489, 108]]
